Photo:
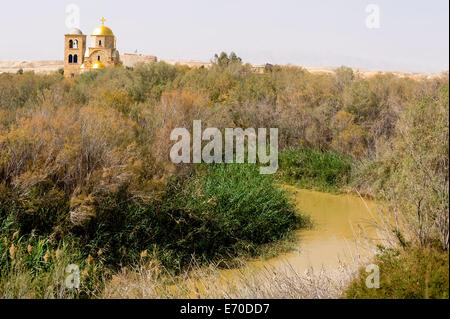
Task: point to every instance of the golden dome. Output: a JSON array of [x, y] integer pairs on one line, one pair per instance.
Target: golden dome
[[102, 30], [98, 66]]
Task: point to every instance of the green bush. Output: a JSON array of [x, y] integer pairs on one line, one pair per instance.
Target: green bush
[[225, 209], [307, 168], [414, 273]]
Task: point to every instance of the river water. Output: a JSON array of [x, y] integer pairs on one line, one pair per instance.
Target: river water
[[342, 225]]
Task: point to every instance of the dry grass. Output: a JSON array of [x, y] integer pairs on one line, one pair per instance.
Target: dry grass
[[149, 281]]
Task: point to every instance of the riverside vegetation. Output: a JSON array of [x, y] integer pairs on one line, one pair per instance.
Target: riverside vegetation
[[85, 175]]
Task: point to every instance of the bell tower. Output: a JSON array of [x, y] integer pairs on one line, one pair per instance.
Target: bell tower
[[74, 52]]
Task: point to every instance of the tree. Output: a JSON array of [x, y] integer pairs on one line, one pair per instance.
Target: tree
[[234, 58], [344, 77], [223, 60]]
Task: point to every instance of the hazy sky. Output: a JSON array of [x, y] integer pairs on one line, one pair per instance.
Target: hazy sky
[[413, 34]]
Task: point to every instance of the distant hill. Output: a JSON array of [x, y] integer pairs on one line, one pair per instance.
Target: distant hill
[[44, 66]]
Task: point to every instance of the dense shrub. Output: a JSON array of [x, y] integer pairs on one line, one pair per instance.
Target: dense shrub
[[218, 211], [233, 206], [326, 171], [406, 274], [412, 170]]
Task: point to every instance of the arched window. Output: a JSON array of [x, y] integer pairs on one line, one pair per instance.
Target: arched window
[[70, 44], [70, 58], [75, 58], [100, 43], [98, 58], [75, 44]]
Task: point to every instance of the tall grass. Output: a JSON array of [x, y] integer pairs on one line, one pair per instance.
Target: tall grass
[[222, 210], [307, 168], [36, 269]]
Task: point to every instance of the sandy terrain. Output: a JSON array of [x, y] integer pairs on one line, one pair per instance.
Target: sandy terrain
[[132, 59], [37, 66]]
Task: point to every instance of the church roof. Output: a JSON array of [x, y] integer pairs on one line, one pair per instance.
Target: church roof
[[102, 30], [75, 31]]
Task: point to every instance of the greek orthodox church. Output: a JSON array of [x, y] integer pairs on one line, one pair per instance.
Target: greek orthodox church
[[102, 52]]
